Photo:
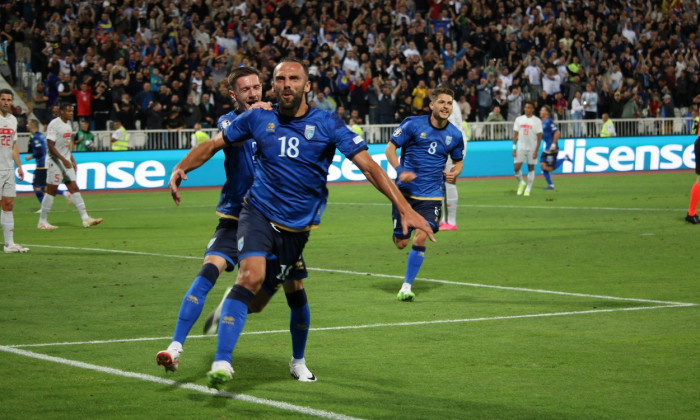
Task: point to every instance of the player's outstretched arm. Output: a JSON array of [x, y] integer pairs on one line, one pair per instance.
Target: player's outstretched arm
[[381, 181], [196, 157]]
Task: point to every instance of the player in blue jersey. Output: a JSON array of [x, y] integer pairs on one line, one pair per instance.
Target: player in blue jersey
[[37, 147], [222, 253], [295, 147], [426, 141], [550, 137]]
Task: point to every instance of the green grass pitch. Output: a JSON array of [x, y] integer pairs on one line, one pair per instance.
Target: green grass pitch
[[577, 303]]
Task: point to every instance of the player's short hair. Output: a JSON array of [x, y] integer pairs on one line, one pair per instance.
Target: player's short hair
[[7, 92], [33, 122], [548, 109], [65, 105], [298, 61], [529, 102], [441, 91], [239, 72]]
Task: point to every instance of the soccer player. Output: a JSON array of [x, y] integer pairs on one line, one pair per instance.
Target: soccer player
[[295, 147], [449, 216], [692, 216], [9, 153], [426, 141], [62, 168], [37, 145], [550, 136], [222, 252], [527, 136]]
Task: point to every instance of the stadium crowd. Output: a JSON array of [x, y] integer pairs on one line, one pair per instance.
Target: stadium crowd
[[164, 63]]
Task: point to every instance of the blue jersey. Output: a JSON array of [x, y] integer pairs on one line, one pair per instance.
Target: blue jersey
[[239, 165], [38, 145], [549, 127], [294, 155], [424, 151]]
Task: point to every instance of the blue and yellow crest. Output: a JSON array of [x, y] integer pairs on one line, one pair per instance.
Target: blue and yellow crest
[[270, 127]]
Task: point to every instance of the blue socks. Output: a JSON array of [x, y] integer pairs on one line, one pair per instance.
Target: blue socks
[[415, 260], [299, 320], [193, 303], [233, 316], [547, 177]]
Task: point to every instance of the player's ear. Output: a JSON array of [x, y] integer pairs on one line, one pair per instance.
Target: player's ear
[[307, 86]]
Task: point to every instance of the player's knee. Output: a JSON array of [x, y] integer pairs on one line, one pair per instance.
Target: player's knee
[[400, 243]]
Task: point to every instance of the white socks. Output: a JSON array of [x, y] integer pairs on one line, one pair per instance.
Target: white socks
[[8, 227]]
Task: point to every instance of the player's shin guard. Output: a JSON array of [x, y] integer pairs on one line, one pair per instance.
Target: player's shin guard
[[233, 317], [7, 220], [299, 320], [414, 262], [451, 198], [46, 205], [530, 178], [694, 199], [80, 205], [39, 195], [193, 302], [547, 177]]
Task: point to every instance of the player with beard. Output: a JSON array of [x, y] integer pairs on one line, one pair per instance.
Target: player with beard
[[221, 254], [295, 147]]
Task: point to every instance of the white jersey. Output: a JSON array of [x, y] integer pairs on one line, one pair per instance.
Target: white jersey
[[8, 137], [61, 133], [528, 129]]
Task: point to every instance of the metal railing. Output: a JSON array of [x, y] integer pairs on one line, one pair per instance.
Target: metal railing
[[381, 133]]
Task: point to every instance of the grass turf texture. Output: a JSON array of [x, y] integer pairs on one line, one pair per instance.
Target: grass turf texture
[[459, 351]]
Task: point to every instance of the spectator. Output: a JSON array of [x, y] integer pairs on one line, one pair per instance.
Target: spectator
[[119, 137], [84, 139], [577, 113], [608, 129]]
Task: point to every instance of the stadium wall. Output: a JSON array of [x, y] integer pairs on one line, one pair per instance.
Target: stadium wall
[[151, 169]]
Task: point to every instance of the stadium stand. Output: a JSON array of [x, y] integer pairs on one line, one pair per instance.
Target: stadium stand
[[160, 66]]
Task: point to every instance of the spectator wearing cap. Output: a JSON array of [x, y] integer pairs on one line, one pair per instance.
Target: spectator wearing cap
[[667, 111]]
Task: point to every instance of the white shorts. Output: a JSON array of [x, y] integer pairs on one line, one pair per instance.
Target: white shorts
[[525, 156], [57, 173], [7, 184]]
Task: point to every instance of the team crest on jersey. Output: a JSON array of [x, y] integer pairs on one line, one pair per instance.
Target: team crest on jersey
[[270, 127], [396, 132], [423, 135], [309, 131], [224, 124], [448, 140], [240, 243]]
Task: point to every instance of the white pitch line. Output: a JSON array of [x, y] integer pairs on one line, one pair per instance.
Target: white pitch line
[[392, 276], [366, 326], [513, 206], [189, 386]]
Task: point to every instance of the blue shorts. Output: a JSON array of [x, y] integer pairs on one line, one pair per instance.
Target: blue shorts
[[431, 210], [258, 237], [39, 178], [549, 158], [224, 242]]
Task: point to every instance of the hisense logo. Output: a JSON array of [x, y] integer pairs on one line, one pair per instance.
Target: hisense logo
[[590, 159]]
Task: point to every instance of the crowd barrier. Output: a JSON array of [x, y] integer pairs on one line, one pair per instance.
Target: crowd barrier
[[144, 169]]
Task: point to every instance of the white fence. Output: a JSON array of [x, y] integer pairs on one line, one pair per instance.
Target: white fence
[[381, 133]]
